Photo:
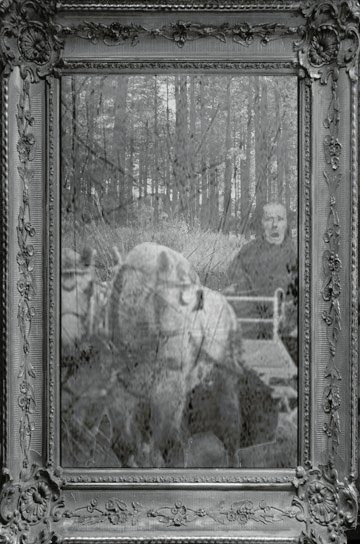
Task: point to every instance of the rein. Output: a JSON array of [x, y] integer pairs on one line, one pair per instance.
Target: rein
[[77, 314], [94, 308]]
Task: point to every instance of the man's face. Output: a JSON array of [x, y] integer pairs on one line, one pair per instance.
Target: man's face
[[274, 223]]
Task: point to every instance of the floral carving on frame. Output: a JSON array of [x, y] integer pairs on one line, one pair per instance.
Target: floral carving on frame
[[331, 38], [28, 36], [31, 503], [332, 43], [323, 500], [325, 35]]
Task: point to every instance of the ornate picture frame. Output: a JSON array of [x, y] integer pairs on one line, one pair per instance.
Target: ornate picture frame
[[40, 42]]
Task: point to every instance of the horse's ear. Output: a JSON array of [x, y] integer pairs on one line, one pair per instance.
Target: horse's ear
[[88, 256], [194, 276], [117, 257], [70, 259]]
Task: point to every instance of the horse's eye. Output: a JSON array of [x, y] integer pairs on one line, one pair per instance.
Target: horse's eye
[[187, 296], [199, 300], [182, 299]]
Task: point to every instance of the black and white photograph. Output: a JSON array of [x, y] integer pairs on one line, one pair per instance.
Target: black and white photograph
[[179, 271], [179, 310]]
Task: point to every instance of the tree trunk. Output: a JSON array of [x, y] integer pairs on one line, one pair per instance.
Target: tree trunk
[[265, 141], [203, 161], [280, 158], [236, 180], [260, 103], [141, 170], [181, 162], [130, 180], [213, 173], [193, 194], [167, 155], [227, 172], [287, 171], [245, 209], [146, 160], [156, 172], [119, 145], [90, 137], [74, 201], [213, 199]]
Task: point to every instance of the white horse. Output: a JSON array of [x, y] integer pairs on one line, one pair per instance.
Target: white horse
[[157, 301], [83, 298], [167, 335]]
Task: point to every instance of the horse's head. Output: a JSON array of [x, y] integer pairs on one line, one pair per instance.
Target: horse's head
[[177, 293], [152, 293], [77, 287], [157, 294]]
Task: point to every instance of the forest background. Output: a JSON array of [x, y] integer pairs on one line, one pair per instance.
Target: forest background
[[183, 160]]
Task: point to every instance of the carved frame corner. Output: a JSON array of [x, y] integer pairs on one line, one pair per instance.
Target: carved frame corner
[[327, 42]]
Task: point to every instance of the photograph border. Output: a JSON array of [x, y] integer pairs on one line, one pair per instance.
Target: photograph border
[[317, 501], [146, 476]]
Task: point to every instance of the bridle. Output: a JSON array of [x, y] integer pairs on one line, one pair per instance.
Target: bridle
[[82, 316], [163, 336]]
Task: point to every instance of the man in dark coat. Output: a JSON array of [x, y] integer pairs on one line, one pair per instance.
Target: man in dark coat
[[267, 263]]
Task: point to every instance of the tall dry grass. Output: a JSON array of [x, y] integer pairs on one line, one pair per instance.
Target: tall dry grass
[[209, 252]]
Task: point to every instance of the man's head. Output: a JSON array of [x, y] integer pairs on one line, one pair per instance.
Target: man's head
[[274, 222]]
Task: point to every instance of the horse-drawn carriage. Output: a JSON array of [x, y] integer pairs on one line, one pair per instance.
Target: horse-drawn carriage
[[266, 352], [170, 361]]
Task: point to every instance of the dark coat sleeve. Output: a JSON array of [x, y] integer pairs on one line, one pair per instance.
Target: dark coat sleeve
[[238, 278], [292, 298]]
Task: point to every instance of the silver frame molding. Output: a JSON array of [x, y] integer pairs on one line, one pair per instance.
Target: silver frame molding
[[315, 41]]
